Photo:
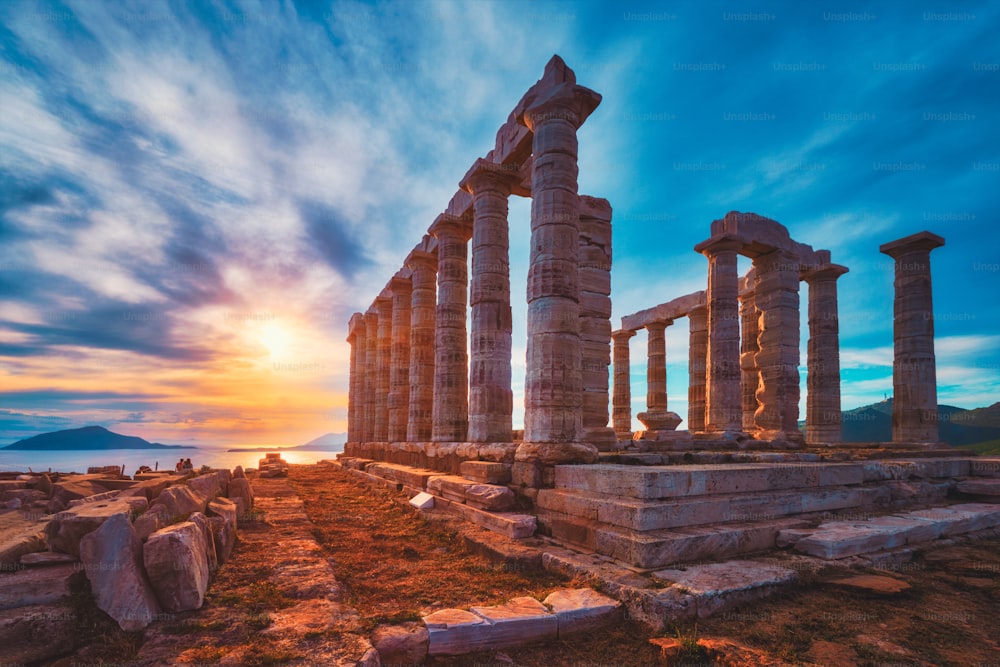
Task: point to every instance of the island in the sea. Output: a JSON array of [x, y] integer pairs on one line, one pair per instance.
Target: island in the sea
[[331, 441], [87, 438]]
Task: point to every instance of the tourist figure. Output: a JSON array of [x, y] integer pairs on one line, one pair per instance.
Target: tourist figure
[[188, 465], [180, 465]]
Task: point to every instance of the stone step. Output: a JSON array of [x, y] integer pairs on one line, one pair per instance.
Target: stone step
[[987, 489], [985, 467], [492, 497], [659, 482], [513, 525], [413, 477], [662, 548], [842, 539], [644, 515]]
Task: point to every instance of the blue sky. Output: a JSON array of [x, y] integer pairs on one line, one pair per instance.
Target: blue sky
[[194, 197]]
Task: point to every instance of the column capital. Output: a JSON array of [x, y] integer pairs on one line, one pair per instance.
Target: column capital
[[824, 273], [382, 301], [484, 175], [421, 259], [567, 101], [717, 244], [400, 285], [658, 325], [452, 226], [355, 327], [915, 242], [622, 334]]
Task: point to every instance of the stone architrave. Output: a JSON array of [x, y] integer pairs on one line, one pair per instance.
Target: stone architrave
[[382, 373], [824, 421], [697, 367], [749, 373], [399, 365], [553, 382], [776, 293], [595, 318], [423, 269], [723, 391], [622, 409], [451, 363], [356, 384], [914, 369], [371, 374], [491, 400]]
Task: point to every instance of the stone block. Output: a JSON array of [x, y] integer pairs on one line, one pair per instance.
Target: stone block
[[582, 610], [112, 558], [240, 488], [987, 489], [422, 501], [65, 530], [15, 545], [485, 472], [72, 489], [224, 535], [47, 558], [177, 566], [718, 585], [179, 501], [38, 585], [519, 621], [32, 634], [209, 538], [482, 496], [404, 644], [207, 486], [150, 521], [455, 632], [985, 467]]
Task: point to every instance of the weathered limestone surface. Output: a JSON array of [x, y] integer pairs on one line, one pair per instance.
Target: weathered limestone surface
[[455, 631], [656, 368], [713, 585], [914, 371], [823, 415], [40, 585], [34, 633], [176, 562], [423, 269], [519, 621], [451, 365], [749, 348], [65, 530], [371, 375], [595, 318], [403, 644], [180, 500], [112, 558], [723, 390], [582, 610], [383, 369], [224, 517], [697, 368], [399, 365], [356, 394], [492, 497], [622, 408], [490, 396], [485, 472]]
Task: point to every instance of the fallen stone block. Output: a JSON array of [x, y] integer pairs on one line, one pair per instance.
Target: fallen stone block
[[38, 585], [46, 558], [455, 632], [422, 501], [150, 521], [404, 644], [16, 545], [987, 489], [112, 558], [485, 472], [207, 535], [582, 610], [32, 634], [177, 566], [65, 530], [240, 487], [65, 491], [224, 534], [483, 496], [521, 621], [180, 501], [717, 586]]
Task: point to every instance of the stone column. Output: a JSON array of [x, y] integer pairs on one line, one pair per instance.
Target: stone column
[[914, 369], [451, 363], [823, 417], [423, 269], [371, 373], [776, 292], [399, 362], [697, 368], [723, 393], [356, 384], [750, 374], [553, 382], [656, 367], [384, 306], [595, 319], [622, 411], [491, 401]]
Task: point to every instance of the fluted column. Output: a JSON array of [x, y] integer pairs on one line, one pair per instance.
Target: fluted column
[[622, 409], [399, 363], [914, 368], [423, 269], [697, 368], [553, 382], [824, 422], [750, 374], [371, 373], [656, 367], [595, 319], [451, 363], [356, 383], [384, 306], [776, 292], [491, 400], [723, 392]]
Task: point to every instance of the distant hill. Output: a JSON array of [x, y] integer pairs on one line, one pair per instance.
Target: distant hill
[[956, 426], [85, 439], [332, 441]]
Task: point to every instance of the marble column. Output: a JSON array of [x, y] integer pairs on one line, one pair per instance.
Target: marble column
[[622, 409], [451, 362], [776, 292], [749, 373], [723, 391], [553, 382], [656, 367], [371, 373], [399, 362], [384, 306], [914, 369], [356, 383], [491, 400], [423, 270], [697, 368], [823, 417], [595, 319]]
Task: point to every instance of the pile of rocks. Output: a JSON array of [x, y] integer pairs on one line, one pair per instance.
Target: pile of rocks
[[147, 547], [272, 465]]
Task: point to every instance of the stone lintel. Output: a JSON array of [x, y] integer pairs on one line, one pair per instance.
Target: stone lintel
[[671, 310], [919, 241]]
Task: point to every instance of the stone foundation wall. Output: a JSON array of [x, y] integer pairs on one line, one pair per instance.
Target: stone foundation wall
[[441, 456]]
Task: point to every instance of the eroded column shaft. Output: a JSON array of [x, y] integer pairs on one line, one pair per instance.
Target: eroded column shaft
[[697, 368], [656, 368], [824, 421], [384, 306], [777, 297], [420, 421], [622, 410], [399, 369]]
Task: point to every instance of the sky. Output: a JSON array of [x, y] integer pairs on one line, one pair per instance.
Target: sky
[[195, 196]]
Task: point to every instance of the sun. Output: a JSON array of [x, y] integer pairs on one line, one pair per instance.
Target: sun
[[276, 339]]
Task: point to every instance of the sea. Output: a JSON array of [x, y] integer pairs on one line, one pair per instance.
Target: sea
[[158, 459]]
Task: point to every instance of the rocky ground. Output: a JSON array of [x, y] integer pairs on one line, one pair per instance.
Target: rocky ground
[[331, 558]]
